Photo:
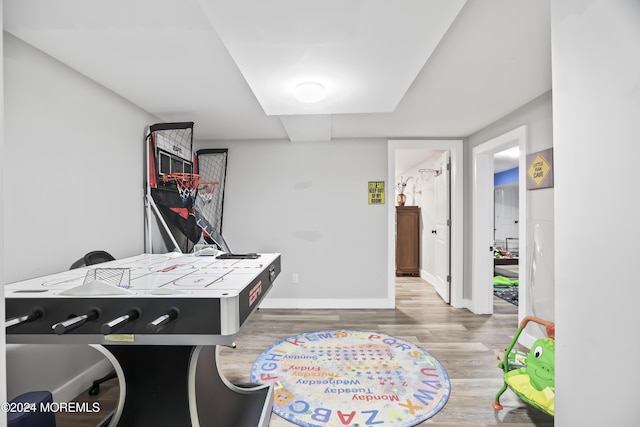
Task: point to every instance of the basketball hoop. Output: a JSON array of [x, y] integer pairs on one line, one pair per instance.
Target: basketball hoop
[[187, 184], [206, 189]]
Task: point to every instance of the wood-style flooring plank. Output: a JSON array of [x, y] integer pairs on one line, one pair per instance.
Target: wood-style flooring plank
[[465, 344]]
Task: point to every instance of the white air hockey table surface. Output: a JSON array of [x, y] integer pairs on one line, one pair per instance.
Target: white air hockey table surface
[[160, 325], [213, 298]]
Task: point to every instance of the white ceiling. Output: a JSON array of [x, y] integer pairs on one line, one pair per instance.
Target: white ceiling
[[506, 159], [416, 68], [365, 54]]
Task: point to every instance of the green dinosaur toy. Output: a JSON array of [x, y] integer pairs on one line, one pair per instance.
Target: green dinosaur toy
[[532, 379]]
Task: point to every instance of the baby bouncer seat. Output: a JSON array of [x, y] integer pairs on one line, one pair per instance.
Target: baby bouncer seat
[[531, 376]]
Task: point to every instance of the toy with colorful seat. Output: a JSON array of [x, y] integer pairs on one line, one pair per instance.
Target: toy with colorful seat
[[531, 376]]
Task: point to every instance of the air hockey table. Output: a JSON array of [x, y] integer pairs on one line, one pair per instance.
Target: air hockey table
[[160, 319]]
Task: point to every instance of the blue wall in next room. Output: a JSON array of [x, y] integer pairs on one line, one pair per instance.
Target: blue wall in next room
[[506, 177]]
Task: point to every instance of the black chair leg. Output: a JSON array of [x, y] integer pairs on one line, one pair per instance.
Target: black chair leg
[[95, 388]]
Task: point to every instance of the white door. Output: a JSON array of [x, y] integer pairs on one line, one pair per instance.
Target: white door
[[442, 231], [506, 213]]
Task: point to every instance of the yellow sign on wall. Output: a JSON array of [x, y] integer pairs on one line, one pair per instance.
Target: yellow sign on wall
[[540, 169], [376, 192]]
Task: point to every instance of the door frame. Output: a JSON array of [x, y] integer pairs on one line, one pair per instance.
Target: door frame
[[456, 148], [483, 217]]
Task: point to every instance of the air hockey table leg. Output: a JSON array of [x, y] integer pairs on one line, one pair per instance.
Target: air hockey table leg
[[153, 385], [220, 403], [183, 386]]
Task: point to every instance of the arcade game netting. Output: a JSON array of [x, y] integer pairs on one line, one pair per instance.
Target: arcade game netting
[[184, 189]]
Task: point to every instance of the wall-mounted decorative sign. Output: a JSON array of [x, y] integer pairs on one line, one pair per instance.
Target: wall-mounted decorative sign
[[376, 192], [540, 169]]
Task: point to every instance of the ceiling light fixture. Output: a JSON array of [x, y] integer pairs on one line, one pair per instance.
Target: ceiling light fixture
[[309, 92]]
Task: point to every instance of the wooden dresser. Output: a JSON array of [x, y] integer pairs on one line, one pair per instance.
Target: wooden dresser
[[407, 241]]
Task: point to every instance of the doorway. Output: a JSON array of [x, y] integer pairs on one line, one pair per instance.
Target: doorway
[[482, 264], [505, 226], [426, 148]]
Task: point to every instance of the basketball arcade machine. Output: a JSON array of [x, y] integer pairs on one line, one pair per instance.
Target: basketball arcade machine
[[160, 318], [186, 203]]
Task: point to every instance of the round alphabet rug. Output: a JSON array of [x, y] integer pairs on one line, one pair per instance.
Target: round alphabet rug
[[352, 378]]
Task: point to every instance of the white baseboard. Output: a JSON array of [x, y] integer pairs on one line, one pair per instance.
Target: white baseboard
[[468, 304], [64, 370], [427, 277], [78, 384]]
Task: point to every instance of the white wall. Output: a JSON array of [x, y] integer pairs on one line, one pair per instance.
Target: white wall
[[596, 107], [308, 201], [74, 158], [72, 172], [537, 116]]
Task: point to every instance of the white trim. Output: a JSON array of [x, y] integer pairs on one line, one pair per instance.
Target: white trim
[[482, 208], [71, 389], [66, 392], [426, 276], [456, 148]]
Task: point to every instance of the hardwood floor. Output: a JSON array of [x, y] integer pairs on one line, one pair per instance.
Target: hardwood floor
[[465, 344]]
